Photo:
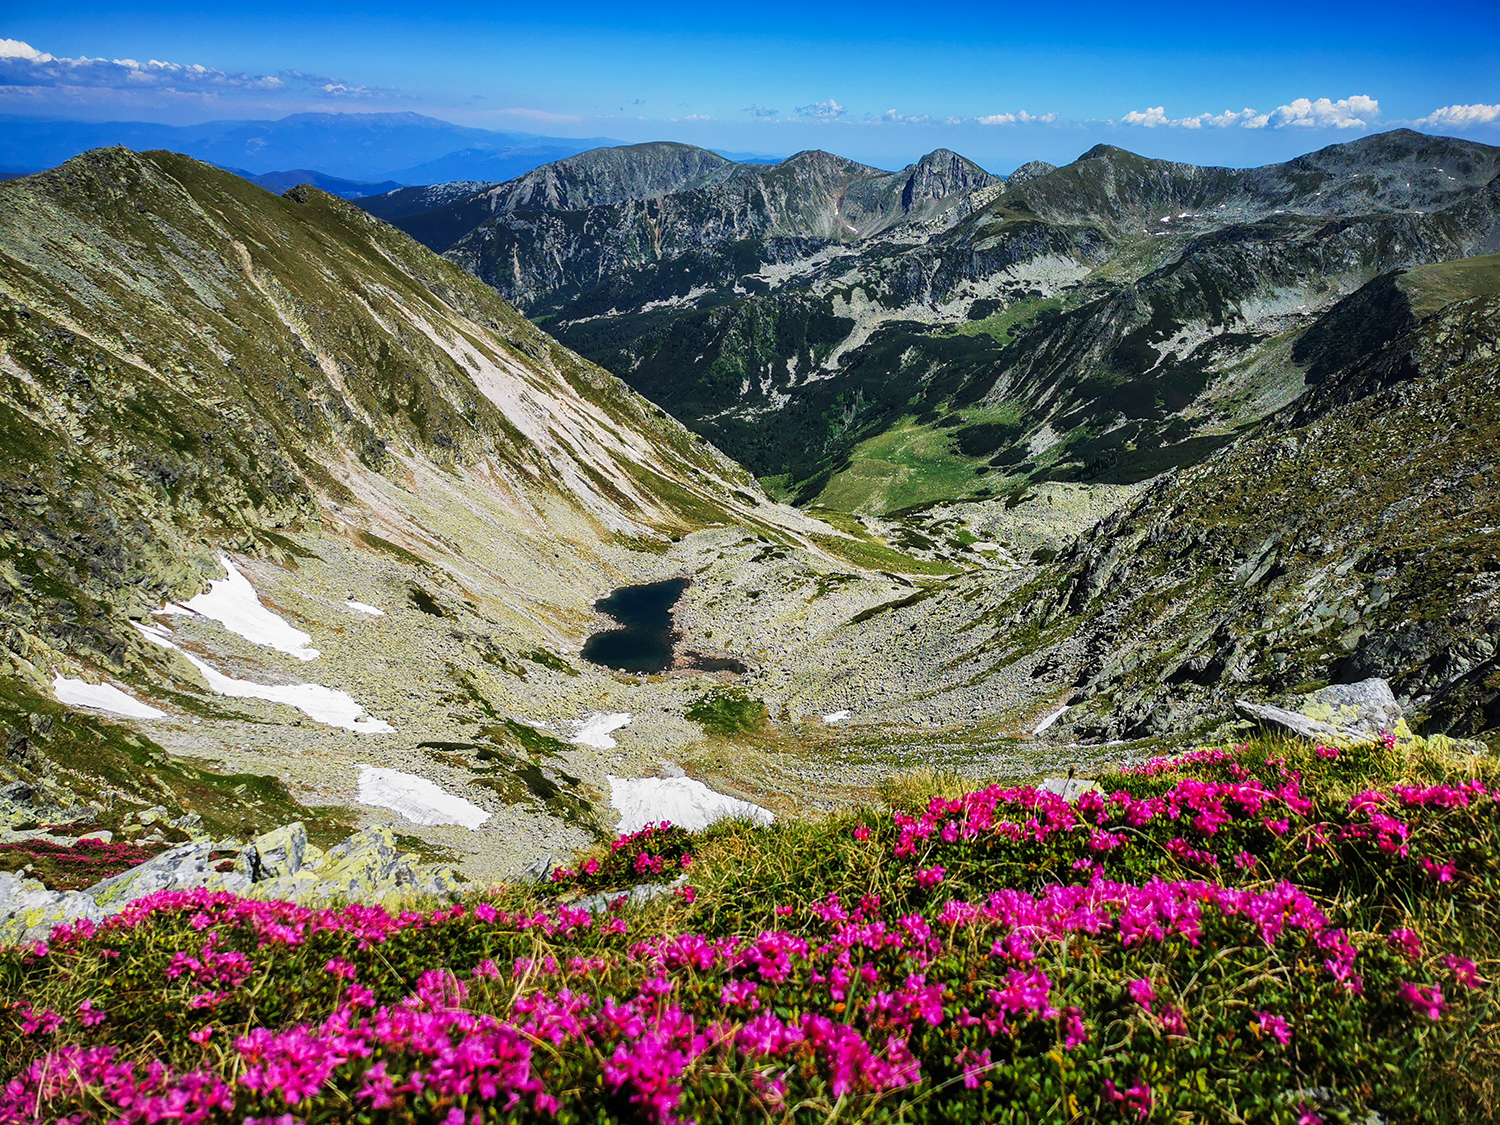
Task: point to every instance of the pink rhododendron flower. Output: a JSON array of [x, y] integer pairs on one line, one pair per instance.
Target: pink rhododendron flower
[[1274, 1026], [1465, 972], [1074, 1032], [1424, 998], [90, 1016], [1172, 1020], [1142, 993], [1442, 872], [1407, 942], [1137, 1099], [974, 1065]]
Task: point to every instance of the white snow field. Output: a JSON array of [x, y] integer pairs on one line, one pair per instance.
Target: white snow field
[[595, 728], [685, 802], [361, 607], [102, 697], [233, 603], [325, 705], [838, 717], [416, 798]]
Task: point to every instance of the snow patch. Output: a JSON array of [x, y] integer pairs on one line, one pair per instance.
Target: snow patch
[[837, 717], [156, 634], [417, 799], [102, 697], [322, 704], [681, 800], [361, 607], [1050, 719], [233, 603], [595, 728]]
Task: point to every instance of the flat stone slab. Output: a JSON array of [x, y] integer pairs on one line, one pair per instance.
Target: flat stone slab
[[29, 911], [1068, 788]]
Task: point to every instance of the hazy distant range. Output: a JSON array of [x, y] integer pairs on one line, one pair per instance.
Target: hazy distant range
[[356, 153]]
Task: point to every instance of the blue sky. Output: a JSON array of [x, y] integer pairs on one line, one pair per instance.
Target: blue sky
[[879, 81]]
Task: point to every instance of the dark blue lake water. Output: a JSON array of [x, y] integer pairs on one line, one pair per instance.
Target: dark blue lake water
[[646, 640]]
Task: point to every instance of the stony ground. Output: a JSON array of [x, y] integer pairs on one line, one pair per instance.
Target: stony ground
[[481, 642]]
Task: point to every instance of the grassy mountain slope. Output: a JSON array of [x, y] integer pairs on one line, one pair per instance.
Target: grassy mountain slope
[[1352, 535], [191, 364]]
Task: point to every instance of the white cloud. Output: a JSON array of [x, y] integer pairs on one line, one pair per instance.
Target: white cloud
[[15, 49], [23, 66], [1346, 113], [1020, 117], [758, 110], [1459, 116], [1156, 116], [1353, 112], [1149, 118], [895, 117], [822, 111]]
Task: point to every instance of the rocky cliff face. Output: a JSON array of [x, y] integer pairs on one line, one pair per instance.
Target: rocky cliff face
[[1101, 321]]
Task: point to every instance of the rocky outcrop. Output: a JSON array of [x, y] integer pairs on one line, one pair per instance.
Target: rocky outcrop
[[1340, 714], [29, 911], [279, 865], [180, 869]]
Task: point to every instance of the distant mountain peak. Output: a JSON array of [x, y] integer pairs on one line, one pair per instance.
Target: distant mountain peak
[[820, 158], [1104, 152], [1031, 170], [942, 173]]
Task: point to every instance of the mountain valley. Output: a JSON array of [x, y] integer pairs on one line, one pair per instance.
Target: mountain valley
[[1125, 438]]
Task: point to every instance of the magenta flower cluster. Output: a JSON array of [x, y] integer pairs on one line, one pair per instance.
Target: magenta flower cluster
[[867, 987]]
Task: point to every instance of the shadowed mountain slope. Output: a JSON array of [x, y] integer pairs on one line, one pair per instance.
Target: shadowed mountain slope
[[1355, 533]]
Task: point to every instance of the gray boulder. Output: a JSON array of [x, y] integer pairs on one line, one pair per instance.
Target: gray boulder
[[538, 870], [275, 854], [1344, 713], [367, 867], [180, 869], [281, 864], [29, 911], [635, 896], [1068, 788]]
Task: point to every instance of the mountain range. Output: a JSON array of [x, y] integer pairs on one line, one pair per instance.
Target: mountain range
[[408, 148], [876, 339]]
